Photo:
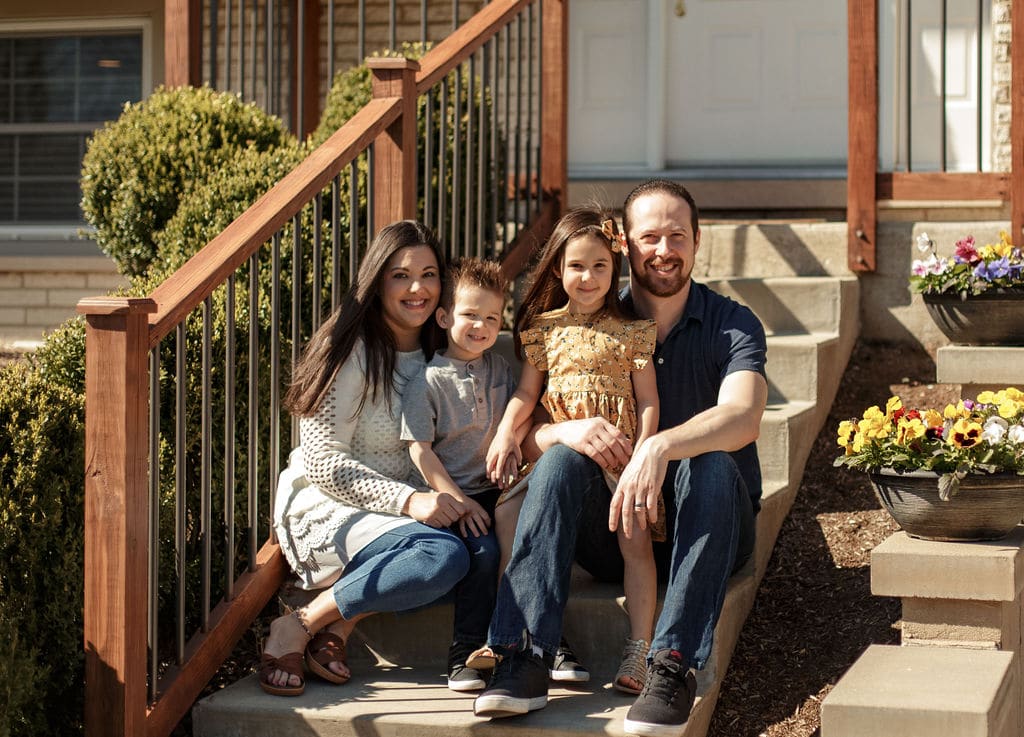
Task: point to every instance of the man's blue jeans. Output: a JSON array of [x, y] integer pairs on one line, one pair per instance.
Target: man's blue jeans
[[565, 517], [415, 565]]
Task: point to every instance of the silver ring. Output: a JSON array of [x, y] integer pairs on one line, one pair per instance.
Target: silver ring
[[638, 506]]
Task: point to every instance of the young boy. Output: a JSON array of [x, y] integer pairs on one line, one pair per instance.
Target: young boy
[[450, 414]]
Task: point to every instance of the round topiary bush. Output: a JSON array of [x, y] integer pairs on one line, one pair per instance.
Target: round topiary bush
[[138, 168]]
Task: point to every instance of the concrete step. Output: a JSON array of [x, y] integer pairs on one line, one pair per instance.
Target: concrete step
[[795, 305], [787, 433], [979, 367]]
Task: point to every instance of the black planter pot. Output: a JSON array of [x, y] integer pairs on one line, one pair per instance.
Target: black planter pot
[[995, 317]]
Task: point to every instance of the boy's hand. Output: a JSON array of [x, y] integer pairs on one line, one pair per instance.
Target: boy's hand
[[475, 519], [503, 460]]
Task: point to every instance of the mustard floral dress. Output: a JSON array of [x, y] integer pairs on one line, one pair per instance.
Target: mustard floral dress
[[589, 360]]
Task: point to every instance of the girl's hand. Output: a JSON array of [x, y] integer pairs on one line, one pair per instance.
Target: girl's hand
[[475, 519], [639, 484], [435, 510], [503, 460]]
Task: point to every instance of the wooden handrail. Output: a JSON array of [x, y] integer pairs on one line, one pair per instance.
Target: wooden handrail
[[465, 40], [187, 287]]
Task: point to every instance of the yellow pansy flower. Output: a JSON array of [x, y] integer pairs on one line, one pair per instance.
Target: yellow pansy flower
[[892, 406], [907, 431], [932, 418], [874, 424], [965, 433]]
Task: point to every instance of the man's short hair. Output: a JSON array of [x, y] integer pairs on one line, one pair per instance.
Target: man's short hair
[[662, 186], [471, 272]]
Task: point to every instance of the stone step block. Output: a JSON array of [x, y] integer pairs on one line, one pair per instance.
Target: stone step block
[[924, 692], [787, 433], [980, 367]]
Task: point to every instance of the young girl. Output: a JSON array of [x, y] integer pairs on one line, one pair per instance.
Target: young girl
[[596, 362]]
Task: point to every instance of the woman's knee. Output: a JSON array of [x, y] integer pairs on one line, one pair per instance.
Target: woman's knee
[[444, 558]]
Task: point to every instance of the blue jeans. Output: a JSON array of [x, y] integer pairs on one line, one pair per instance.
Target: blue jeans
[[565, 517], [415, 565]]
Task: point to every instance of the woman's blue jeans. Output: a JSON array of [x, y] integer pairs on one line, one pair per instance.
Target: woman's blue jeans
[[414, 565], [565, 517]]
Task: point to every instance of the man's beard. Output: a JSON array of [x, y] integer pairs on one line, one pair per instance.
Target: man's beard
[[651, 281]]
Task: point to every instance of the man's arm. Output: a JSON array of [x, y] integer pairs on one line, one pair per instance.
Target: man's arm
[[730, 425]]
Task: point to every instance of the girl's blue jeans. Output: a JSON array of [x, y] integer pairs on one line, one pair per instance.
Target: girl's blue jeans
[[565, 518]]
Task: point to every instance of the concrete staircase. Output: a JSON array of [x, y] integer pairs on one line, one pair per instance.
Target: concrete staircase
[[399, 661]]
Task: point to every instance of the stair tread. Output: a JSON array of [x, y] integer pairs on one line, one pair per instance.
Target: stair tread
[[391, 698]]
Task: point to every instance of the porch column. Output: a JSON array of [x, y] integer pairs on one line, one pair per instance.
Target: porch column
[[554, 86], [182, 42]]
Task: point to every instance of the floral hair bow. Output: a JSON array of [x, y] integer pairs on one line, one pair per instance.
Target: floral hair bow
[[612, 233]]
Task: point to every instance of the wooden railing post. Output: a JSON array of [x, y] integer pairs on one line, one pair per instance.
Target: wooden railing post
[[1017, 121], [182, 29], [862, 157], [554, 84], [394, 152], [116, 514]]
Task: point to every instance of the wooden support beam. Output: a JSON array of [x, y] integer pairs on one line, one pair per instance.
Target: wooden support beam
[[116, 514], [182, 43], [940, 185], [862, 158], [554, 125], [394, 152]]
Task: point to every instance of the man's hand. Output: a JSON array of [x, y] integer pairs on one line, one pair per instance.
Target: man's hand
[[593, 437], [636, 495], [435, 510]]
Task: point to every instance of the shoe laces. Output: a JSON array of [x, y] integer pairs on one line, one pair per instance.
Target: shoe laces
[[665, 678]]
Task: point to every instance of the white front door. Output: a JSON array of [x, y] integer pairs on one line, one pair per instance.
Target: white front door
[[662, 83]]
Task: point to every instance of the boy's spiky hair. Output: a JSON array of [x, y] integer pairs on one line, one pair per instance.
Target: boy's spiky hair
[[471, 272]]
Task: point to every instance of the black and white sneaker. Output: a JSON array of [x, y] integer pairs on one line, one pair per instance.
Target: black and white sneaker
[[519, 685], [566, 667], [460, 676], [662, 708]]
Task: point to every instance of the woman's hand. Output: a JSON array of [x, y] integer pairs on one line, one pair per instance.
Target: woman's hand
[[435, 510], [503, 460], [475, 519]]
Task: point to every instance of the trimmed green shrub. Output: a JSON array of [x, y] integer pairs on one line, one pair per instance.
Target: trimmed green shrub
[[42, 464], [138, 168]]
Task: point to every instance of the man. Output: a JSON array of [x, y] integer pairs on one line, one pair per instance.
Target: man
[[709, 363]]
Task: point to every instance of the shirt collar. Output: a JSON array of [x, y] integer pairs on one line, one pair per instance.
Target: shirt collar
[[694, 309]]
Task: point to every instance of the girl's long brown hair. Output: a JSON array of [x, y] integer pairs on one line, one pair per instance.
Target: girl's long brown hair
[[545, 291], [361, 316]]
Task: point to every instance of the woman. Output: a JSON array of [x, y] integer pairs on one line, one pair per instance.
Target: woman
[[344, 516]]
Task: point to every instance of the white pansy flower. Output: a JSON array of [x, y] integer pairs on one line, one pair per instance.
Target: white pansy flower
[[1016, 434], [994, 430], [924, 243]]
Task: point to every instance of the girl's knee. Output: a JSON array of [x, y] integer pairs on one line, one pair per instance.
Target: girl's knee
[[446, 557]]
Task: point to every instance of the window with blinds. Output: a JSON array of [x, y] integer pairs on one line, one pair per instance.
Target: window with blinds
[[55, 90]]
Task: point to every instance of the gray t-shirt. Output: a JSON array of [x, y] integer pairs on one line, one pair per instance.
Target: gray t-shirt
[[456, 406]]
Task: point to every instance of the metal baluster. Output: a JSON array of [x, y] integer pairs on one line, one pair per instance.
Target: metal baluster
[[335, 242], [298, 45], [471, 125], [519, 118], [507, 97], [481, 147], [275, 367], [269, 60], [362, 32], [428, 161], [456, 242], [318, 266], [254, 398], [528, 151], [154, 518], [180, 505], [353, 222], [214, 33], [296, 333], [493, 166], [241, 49], [205, 470], [229, 439], [392, 33], [540, 99], [423, 21], [442, 170], [330, 43], [371, 220], [227, 44]]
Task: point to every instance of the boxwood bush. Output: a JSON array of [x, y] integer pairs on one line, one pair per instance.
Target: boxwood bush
[[138, 168]]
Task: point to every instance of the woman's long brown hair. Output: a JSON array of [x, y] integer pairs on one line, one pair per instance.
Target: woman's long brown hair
[[361, 316], [545, 291]]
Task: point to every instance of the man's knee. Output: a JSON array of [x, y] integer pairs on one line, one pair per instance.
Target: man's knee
[[715, 473]]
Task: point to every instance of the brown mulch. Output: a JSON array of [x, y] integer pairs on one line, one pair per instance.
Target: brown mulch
[[814, 613]]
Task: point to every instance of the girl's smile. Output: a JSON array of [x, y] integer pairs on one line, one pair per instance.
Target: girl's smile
[[586, 273]]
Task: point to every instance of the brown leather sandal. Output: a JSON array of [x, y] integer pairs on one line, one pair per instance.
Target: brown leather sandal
[[324, 649], [290, 663]]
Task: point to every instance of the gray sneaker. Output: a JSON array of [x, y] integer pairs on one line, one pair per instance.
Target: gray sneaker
[[662, 708]]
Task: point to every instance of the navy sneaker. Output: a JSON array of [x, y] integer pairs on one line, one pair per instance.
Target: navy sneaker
[[566, 667], [460, 676], [519, 685], [662, 708]]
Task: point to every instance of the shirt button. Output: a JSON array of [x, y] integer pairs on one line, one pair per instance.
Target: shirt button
[[661, 361], [469, 366]]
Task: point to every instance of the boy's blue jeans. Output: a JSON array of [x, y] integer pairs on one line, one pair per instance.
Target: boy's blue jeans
[[565, 517]]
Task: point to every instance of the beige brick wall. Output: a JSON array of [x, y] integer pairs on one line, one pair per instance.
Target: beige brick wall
[[38, 293]]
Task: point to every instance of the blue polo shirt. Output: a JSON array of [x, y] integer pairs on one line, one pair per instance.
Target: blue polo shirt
[[714, 337]]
